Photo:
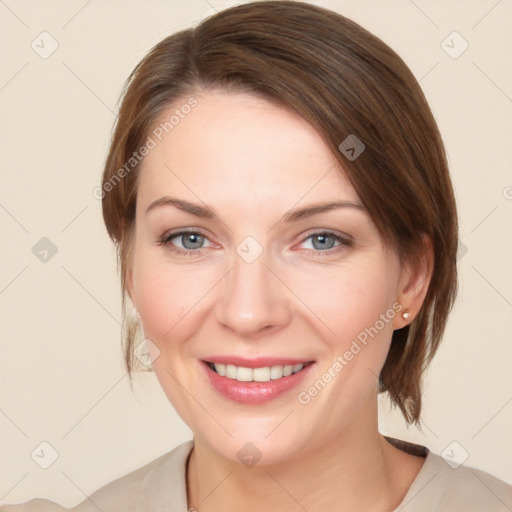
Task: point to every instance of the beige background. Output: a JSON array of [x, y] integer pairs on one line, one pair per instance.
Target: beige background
[[63, 379]]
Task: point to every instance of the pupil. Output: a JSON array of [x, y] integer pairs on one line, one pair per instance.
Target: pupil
[[323, 237], [197, 241]]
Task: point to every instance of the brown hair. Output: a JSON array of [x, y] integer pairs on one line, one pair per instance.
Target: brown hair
[[342, 80]]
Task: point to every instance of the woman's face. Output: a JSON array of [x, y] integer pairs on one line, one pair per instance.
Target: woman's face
[[253, 280]]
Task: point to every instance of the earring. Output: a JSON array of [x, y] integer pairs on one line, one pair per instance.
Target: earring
[[406, 315]]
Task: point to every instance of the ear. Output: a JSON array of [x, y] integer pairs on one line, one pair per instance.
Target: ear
[[414, 282]]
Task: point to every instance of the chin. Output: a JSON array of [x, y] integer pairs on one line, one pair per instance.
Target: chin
[[256, 441]]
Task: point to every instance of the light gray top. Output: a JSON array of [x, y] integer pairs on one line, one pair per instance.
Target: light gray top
[[160, 486]]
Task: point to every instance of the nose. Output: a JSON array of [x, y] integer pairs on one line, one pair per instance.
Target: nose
[[253, 300]]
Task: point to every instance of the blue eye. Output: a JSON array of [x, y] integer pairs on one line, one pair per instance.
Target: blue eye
[[192, 242], [325, 241]]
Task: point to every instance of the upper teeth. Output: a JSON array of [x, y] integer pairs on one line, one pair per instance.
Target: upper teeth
[[243, 374]]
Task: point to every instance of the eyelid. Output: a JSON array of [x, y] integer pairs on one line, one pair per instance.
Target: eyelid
[[314, 231], [169, 235], [345, 240], [326, 231]]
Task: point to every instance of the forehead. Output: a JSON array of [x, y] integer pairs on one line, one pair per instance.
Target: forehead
[[239, 148]]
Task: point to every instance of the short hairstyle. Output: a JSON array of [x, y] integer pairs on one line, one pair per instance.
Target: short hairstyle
[[342, 80]]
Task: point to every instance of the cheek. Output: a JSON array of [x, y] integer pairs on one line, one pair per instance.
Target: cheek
[[356, 305], [350, 299], [162, 302], [170, 298]]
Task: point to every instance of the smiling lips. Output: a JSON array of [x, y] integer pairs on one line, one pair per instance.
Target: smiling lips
[[259, 374], [254, 381]]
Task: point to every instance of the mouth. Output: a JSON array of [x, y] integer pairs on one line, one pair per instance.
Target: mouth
[[255, 380], [255, 385], [256, 374]]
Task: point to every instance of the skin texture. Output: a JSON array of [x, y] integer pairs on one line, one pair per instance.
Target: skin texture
[[252, 161]]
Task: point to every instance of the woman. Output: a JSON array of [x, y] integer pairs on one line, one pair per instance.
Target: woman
[[279, 195]]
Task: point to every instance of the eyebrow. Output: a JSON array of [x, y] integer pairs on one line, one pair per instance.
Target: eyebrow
[[290, 216]]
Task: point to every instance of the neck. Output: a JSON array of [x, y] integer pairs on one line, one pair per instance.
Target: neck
[[357, 469]]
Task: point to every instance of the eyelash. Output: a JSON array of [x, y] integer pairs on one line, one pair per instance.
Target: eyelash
[[165, 241]]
